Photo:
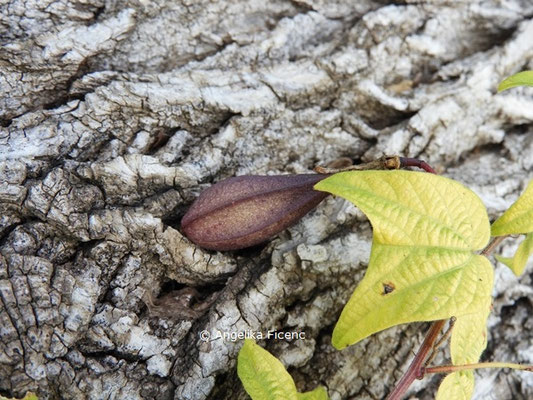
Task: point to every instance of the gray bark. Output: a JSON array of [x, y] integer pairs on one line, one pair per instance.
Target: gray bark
[[116, 115]]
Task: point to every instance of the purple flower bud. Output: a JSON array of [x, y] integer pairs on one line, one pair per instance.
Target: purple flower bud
[[247, 210]]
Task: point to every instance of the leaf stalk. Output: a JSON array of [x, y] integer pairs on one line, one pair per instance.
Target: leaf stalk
[[445, 369], [493, 244]]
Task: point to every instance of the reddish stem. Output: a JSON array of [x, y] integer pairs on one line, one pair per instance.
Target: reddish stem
[[415, 162], [493, 244], [416, 369]]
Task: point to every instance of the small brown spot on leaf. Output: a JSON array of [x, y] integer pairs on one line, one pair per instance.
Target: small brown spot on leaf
[[388, 287]]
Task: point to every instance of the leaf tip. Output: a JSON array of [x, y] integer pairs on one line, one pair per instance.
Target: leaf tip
[[522, 78], [502, 86]]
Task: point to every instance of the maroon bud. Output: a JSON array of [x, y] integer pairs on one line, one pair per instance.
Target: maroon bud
[[247, 210]]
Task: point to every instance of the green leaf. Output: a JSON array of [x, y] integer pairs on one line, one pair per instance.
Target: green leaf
[[263, 376], [319, 393], [524, 78], [422, 266], [457, 386], [519, 261], [518, 218], [29, 396], [469, 339]]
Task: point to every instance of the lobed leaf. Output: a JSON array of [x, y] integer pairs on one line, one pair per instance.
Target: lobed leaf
[[524, 78], [518, 218], [519, 261], [422, 266]]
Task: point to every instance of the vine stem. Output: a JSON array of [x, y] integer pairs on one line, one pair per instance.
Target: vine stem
[[385, 162], [493, 244], [453, 368], [417, 368]]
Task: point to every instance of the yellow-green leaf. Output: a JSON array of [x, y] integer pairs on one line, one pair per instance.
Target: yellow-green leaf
[[422, 266], [524, 78], [319, 393], [518, 218], [263, 376], [519, 261], [469, 339], [29, 396], [457, 386]]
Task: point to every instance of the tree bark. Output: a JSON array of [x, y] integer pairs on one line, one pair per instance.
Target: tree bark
[[115, 116]]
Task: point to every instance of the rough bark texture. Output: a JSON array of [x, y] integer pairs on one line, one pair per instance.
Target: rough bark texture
[[115, 115]]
